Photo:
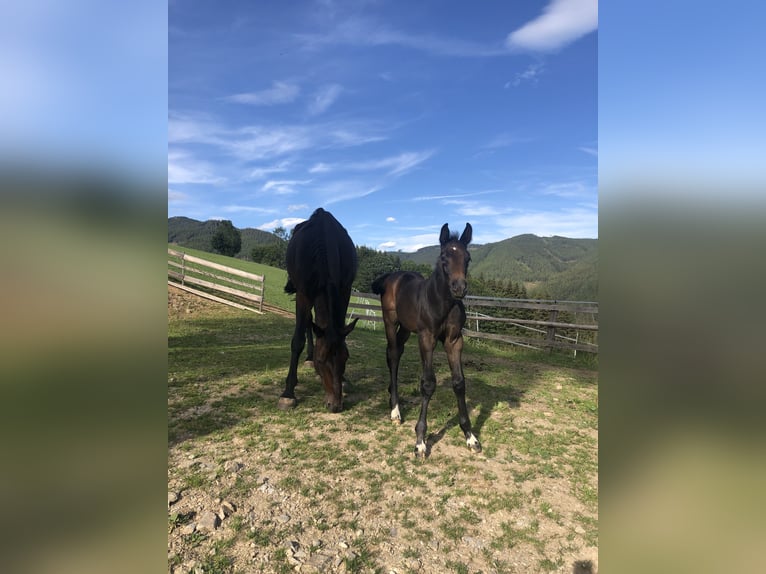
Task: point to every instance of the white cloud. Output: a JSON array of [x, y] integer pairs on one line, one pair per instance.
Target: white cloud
[[529, 75], [176, 196], [182, 168], [320, 168], [562, 22], [390, 219], [279, 93], [360, 31], [324, 98], [573, 222], [286, 222], [386, 245], [246, 209], [394, 165], [285, 186], [261, 172], [299, 207]]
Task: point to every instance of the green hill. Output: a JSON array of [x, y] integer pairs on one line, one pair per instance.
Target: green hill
[[554, 267], [187, 232], [549, 267]]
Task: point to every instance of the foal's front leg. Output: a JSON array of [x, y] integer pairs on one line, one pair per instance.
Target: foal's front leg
[[427, 386], [454, 348]]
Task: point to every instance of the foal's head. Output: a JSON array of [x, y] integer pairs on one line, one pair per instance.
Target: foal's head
[[454, 259]]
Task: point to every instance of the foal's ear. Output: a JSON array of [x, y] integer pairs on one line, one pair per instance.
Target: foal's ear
[[444, 235], [350, 327], [465, 239]]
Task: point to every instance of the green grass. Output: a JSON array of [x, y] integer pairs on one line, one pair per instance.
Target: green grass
[[535, 414]]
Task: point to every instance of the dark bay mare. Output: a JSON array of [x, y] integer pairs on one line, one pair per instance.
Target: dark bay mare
[[321, 266], [433, 309]]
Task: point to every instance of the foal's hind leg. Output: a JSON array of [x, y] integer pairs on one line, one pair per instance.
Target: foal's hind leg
[[427, 386], [454, 347], [396, 339]]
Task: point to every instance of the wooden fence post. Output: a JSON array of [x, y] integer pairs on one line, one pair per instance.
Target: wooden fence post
[[554, 314]]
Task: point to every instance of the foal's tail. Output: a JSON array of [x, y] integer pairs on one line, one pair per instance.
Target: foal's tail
[[379, 285]]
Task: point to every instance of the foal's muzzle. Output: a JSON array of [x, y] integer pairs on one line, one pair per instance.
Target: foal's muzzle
[[459, 288]]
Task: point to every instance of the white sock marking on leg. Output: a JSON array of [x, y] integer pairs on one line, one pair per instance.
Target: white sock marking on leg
[[395, 416]]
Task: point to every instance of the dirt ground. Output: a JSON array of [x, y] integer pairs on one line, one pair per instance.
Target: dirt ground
[[315, 537]]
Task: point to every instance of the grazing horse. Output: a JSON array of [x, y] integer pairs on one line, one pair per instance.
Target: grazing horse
[[321, 266], [433, 309]]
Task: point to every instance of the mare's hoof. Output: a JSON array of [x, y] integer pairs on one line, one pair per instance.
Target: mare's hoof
[[421, 451], [396, 422], [308, 363], [475, 447], [286, 403]]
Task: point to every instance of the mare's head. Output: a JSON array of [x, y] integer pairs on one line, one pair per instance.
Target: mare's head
[[454, 259], [330, 356]]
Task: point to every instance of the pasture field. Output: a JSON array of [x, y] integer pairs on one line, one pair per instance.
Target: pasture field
[[310, 491]]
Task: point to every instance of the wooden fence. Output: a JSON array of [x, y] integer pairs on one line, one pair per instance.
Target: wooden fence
[[236, 288], [533, 323]]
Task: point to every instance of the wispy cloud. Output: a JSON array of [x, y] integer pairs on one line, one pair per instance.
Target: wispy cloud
[[589, 150], [320, 168], [359, 31], [562, 22], [395, 166], [391, 219], [324, 98], [183, 168], [279, 93], [455, 195], [504, 140], [286, 222], [530, 75], [247, 209], [284, 187], [176, 196], [267, 142], [297, 207], [261, 172], [570, 222]]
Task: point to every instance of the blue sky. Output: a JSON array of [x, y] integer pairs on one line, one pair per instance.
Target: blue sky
[[396, 117]]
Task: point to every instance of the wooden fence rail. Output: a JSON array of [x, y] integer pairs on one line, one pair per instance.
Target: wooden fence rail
[[525, 322], [236, 287]]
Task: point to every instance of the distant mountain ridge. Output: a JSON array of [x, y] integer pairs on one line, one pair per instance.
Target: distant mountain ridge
[[562, 267], [198, 235], [553, 267]]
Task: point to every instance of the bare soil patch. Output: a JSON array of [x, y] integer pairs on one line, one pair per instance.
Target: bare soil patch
[[254, 489]]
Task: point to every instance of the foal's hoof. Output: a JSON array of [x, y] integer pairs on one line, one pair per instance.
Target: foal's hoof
[[421, 451], [396, 417], [286, 403]]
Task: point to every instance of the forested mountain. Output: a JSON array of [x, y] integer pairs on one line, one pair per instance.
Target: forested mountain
[[199, 234], [551, 267], [543, 267]]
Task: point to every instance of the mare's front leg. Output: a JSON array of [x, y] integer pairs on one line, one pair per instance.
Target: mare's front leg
[[302, 321], [395, 339], [427, 386], [453, 344], [310, 346]]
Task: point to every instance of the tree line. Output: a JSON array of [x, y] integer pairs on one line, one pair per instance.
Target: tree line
[[371, 263]]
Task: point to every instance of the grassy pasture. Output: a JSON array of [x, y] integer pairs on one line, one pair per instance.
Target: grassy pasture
[[346, 487]]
